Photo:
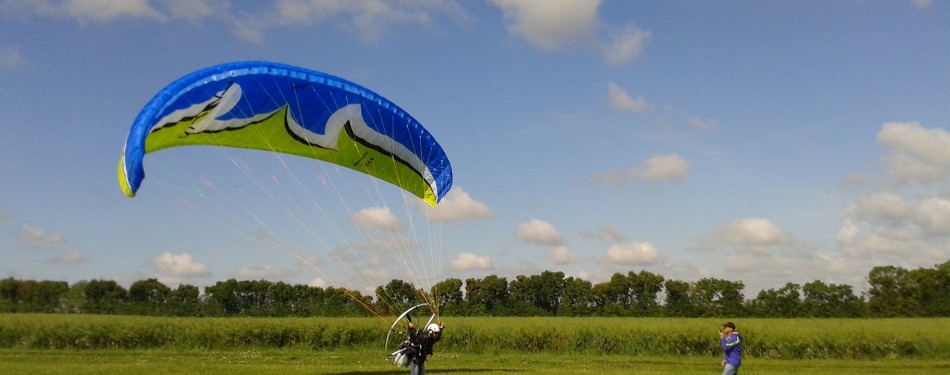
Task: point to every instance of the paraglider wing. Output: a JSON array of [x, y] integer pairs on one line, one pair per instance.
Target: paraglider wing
[[282, 108]]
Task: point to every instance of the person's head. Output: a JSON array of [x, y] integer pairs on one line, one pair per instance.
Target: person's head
[[728, 327], [435, 330]]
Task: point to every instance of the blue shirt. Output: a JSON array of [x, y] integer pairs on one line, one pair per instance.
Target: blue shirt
[[732, 344]]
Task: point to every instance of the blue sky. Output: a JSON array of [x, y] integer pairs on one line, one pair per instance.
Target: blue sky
[[768, 142]]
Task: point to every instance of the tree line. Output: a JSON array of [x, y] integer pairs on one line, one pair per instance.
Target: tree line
[[892, 292]]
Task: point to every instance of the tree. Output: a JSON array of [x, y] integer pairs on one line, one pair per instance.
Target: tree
[[397, 295], [613, 298], [715, 297], [104, 297], [940, 305], [9, 295], [678, 299], [537, 294], [448, 293], [928, 290], [184, 300], [148, 297], [577, 298], [222, 298], [830, 300], [784, 302], [644, 287], [886, 297], [487, 296]]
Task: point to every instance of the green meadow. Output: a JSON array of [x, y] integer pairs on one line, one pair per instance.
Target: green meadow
[[100, 344]]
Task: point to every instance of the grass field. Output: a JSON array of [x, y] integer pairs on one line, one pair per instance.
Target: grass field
[[91, 344], [370, 362]]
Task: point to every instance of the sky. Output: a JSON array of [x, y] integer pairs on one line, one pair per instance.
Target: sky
[[758, 141]]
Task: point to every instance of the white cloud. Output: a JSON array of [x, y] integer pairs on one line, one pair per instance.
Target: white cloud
[[11, 58], [539, 232], [310, 261], [471, 262], [621, 100], [882, 206], [374, 275], [194, 10], [550, 24], [68, 256], [387, 243], [632, 253], [626, 45], [370, 19], [457, 205], [670, 167], [933, 215], [380, 218], [258, 273], [916, 153], [752, 234], [612, 178], [180, 266], [36, 238], [908, 225], [699, 123], [922, 4], [84, 11], [318, 282], [609, 231], [561, 255]]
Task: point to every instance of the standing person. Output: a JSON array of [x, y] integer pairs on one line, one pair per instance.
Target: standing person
[[419, 346], [732, 344]]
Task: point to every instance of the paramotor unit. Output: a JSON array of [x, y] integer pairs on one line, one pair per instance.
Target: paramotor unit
[[398, 356]]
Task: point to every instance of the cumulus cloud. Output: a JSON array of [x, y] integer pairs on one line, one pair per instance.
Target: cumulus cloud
[[632, 253], [933, 215], [609, 231], [11, 58], [698, 123], [550, 24], [179, 267], [561, 255], [37, 238], [380, 218], [85, 11], [368, 19], [310, 261], [882, 207], [752, 234], [194, 10], [319, 282], [457, 205], [539, 232], [626, 46], [922, 4], [909, 224], [670, 167], [915, 152], [386, 243], [621, 100], [68, 256], [612, 178], [258, 273], [471, 262]]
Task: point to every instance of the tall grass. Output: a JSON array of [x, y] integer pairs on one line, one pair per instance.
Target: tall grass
[[765, 338]]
